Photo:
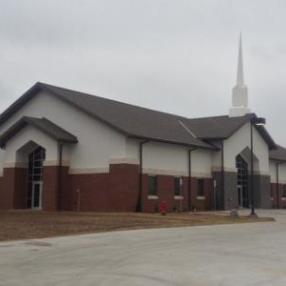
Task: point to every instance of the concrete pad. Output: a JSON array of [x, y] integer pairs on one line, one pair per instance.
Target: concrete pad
[[243, 254]]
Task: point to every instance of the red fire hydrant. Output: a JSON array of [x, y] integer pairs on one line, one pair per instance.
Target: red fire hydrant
[[163, 208]]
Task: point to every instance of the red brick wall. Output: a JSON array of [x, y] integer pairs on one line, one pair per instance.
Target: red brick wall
[[66, 195], [207, 202], [116, 191], [166, 193], [50, 188], [123, 187], [1, 189], [277, 200], [21, 188], [7, 190], [88, 192], [13, 192]]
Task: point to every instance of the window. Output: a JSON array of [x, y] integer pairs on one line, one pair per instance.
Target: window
[[178, 186], [284, 191], [200, 192], [271, 193], [36, 159], [152, 186]]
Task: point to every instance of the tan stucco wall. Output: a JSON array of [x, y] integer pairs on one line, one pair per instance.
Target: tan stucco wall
[[170, 159], [24, 136], [238, 142], [97, 142]]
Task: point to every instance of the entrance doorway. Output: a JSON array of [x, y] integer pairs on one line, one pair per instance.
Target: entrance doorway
[[37, 190], [242, 182], [35, 173]]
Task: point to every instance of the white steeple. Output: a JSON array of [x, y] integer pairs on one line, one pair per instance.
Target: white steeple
[[239, 92]]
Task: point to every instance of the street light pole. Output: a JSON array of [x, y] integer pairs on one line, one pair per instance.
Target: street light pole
[[251, 170], [253, 121]]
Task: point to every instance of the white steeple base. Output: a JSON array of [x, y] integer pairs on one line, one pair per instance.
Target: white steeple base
[[238, 111]]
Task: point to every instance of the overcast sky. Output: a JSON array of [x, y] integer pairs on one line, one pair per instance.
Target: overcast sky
[[176, 56]]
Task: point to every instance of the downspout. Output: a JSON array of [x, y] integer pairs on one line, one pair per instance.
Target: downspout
[[139, 206], [222, 175], [277, 184], [190, 178], [60, 150]]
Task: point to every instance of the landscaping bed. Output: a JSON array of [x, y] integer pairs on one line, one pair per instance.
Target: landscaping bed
[[39, 224]]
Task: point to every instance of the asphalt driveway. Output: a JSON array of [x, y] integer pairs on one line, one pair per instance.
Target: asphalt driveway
[[242, 254]]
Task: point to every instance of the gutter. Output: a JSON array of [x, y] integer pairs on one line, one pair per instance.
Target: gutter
[[190, 178], [222, 174], [60, 150], [139, 206], [277, 183], [207, 146]]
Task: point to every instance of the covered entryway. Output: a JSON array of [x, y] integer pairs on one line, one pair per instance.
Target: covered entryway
[[243, 166], [34, 151]]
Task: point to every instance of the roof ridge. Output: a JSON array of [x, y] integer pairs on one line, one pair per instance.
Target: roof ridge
[[64, 94], [206, 117], [111, 100]]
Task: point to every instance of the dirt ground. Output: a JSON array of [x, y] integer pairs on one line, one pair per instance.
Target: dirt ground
[[16, 225]]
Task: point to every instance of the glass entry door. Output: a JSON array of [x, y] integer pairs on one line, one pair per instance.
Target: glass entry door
[[240, 196], [35, 174], [242, 182], [37, 195]]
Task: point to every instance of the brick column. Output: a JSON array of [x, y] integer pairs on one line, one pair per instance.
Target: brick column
[[123, 187], [50, 188]]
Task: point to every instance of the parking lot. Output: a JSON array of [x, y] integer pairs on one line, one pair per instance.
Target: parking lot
[[239, 254]]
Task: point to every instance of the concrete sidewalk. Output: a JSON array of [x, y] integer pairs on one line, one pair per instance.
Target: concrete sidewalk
[[243, 254]]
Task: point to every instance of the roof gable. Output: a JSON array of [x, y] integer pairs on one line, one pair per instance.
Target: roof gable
[[217, 127], [223, 127], [42, 124]]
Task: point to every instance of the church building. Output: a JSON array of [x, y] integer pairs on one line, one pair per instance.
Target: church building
[[67, 150]]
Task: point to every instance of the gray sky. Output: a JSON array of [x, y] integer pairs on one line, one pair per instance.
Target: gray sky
[[176, 56]]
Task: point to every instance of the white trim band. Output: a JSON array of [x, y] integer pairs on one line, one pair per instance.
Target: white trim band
[[89, 171], [152, 197]]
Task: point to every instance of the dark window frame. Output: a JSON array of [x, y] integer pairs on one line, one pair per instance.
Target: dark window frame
[[284, 191], [153, 186], [200, 188], [178, 186], [271, 192]]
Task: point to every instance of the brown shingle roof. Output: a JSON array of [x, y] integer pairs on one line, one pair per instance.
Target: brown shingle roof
[[42, 124], [131, 120], [222, 127], [217, 126], [138, 122], [278, 154]]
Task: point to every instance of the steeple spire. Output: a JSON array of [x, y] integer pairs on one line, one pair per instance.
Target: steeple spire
[[239, 92], [239, 80]]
